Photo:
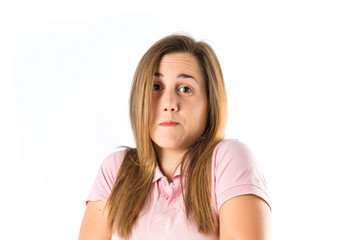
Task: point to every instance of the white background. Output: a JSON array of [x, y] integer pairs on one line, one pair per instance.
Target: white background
[[66, 69]]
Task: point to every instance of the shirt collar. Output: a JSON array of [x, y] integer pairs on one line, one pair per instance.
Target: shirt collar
[[158, 174]]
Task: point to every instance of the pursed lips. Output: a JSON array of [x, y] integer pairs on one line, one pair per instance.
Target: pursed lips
[[169, 124]]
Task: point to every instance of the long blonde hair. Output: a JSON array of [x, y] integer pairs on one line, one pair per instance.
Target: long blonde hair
[[132, 186]]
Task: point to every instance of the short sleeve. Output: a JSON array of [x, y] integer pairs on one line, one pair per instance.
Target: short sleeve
[[235, 172], [106, 177]]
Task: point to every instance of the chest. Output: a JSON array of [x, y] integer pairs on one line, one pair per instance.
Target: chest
[[164, 216]]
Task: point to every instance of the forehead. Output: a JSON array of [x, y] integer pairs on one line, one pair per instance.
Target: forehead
[[180, 61]]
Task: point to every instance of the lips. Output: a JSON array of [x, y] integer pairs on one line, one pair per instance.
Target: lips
[[169, 124]]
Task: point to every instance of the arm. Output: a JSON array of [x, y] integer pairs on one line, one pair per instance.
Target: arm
[[94, 225], [245, 217]]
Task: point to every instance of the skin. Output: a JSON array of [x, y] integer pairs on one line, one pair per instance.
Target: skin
[[181, 98], [94, 223], [179, 94], [246, 217]]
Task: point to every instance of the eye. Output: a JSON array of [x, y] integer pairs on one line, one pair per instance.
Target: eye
[[157, 87], [185, 89]]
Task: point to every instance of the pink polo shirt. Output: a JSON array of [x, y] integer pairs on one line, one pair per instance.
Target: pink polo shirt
[[234, 173]]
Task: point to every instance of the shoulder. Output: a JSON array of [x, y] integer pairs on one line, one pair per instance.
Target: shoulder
[[232, 150], [230, 143], [111, 164], [114, 160], [106, 176], [235, 172]]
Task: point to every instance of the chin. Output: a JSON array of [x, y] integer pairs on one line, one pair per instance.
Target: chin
[[170, 144]]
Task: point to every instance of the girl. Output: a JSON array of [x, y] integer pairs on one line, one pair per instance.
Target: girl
[[183, 180]]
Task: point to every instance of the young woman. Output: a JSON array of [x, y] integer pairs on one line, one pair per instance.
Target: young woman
[[183, 180]]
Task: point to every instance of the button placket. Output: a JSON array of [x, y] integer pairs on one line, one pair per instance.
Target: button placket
[[164, 189], [165, 197], [169, 191]]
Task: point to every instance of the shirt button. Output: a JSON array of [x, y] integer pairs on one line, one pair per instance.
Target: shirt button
[[166, 197]]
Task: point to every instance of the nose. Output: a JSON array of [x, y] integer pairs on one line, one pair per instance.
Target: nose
[[171, 108], [170, 102]]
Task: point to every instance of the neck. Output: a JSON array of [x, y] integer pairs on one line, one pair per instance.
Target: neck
[[169, 160]]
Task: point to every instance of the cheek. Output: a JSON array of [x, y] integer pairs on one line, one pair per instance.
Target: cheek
[[200, 111], [154, 104], [153, 117], [151, 120], [204, 114], [152, 113], [203, 104]]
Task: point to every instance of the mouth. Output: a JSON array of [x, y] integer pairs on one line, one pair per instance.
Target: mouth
[[169, 124]]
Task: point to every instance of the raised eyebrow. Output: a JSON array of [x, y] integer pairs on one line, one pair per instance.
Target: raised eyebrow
[[182, 75], [186, 76]]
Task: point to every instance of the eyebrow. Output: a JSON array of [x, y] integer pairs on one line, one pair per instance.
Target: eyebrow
[[182, 75]]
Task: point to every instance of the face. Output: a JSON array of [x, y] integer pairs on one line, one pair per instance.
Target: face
[[179, 107]]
